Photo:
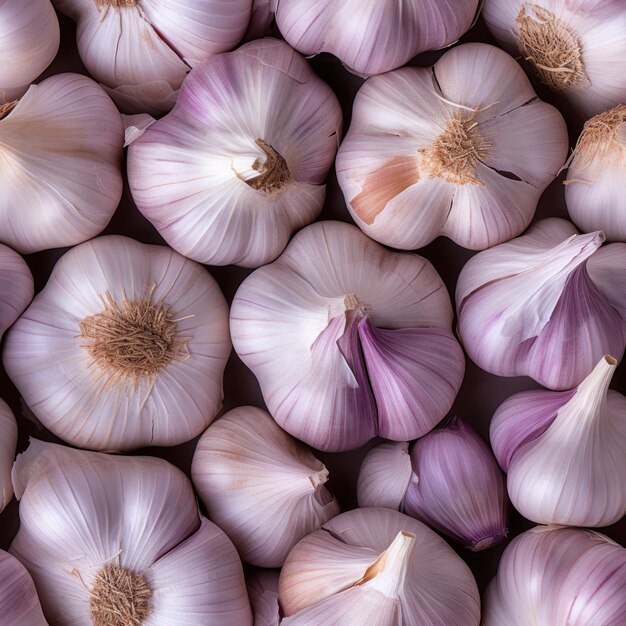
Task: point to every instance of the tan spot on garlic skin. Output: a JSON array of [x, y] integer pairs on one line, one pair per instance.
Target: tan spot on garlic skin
[[119, 597], [115, 4], [551, 47], [273, 171], [383, 185], [600, 134], [6, 108]]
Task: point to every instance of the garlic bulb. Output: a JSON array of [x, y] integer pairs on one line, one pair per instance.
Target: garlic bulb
[[141, 50], [464, 149], [8, 441], [124, 347], [119, 541], [376, 566], [546, 305], [19, 604], [263, 593], [450, 481], [595, 191], [16, 287], [565, 452], [558, 576], [60, 159], [263, 488], [240, 163], [348, 340], [575, 47], [374, 37], [29, 40]]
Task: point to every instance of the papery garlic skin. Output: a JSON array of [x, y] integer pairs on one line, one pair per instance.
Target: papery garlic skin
[[558, 576], [125, 347], [569, 466], [547, 305], [19, 604], [376, 566], [83, 512], [348, 340], [262, 587], [261, 19], [263, 488], [576, 47], [240, 163], [8, 442], [60, 164], [464, 149], [595, 191], [141, 50], [375, 37], [29, 41], [16, 287]]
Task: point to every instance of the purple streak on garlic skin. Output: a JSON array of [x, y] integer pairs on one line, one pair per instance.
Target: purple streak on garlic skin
[[19, 603]]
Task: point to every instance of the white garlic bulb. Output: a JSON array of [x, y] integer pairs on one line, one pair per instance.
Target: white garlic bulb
[[547, 305], [118, 541], [240, 163], [575, 47], [8, 441], [262, 587], [464, 149], [19, 604], [553, 576], [124, 347], [348, 340], [29, 41], [565, 452], [375, 37], [376, 566], [263, 488], [595, 191], [60, 163], [16, 287], [141, 50]]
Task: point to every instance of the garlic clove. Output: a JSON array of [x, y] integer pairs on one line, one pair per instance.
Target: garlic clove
[[16, 287], [19, 604], [262, 585], [261, 486], [159, 93], [8, 442], [384, 476], [606, 269]]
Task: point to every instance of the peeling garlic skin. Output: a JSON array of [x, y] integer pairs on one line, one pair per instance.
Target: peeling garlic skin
[[450, 150]]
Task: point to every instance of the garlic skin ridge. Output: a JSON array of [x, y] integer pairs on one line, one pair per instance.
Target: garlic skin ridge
[[453, 154], [106, 536], [569, 460], [571, 311], [29, 41], [141, 50], [19, 603], [223, 168], [376, 566], [595, 187], [124, 347], [559, 576], [8, 442], [263, 488], [16, 287], [348, 340], [375, 38], [575, 47], [62, 169]]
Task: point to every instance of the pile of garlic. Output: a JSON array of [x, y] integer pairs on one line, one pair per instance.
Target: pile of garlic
[[304, 442]]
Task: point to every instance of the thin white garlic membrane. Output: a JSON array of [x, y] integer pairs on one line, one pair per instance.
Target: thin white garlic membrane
[[240, 163], [118, 541], [463, 149], [595, 191], [29, 41], [575, 47], [552, 576], [547, 305], [19, 603], [16, 287], [373, 37], [348, 340], [124, 347], [565, 452], [262, 587], [60, 164], [8, 442], [376, 566], [263, 488], [141, 50]]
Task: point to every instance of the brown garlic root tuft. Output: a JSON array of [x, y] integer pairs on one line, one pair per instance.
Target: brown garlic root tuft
[[273, 172]]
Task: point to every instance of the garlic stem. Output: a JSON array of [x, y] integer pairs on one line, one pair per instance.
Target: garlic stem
[[6, 108], [592, 392], [273, 171], [319, 478]]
